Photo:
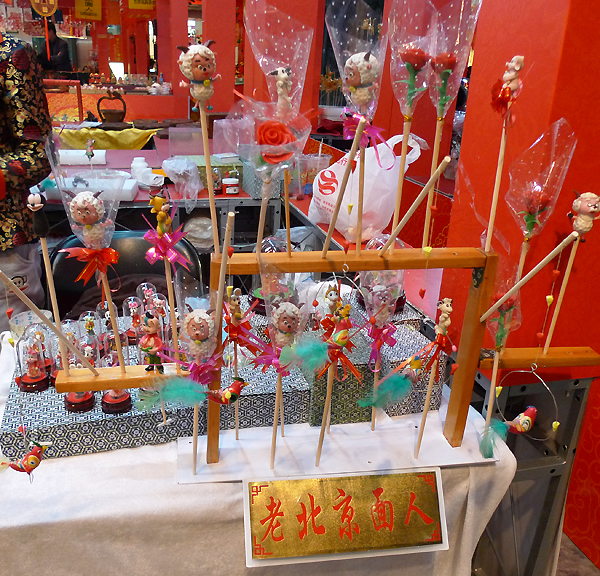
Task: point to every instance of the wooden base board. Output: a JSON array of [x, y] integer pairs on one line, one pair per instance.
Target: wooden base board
[[82, 380], [517, 358]]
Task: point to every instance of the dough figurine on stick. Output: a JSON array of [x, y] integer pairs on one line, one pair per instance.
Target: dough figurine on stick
[[586, 209], [197, 63]]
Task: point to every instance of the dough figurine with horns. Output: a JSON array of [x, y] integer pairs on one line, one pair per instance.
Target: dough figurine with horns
[[284, 87], [200, 327], [197, 64], [87, 211], [361, 72], [586, 208]]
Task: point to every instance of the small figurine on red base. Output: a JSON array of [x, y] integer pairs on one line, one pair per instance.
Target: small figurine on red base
[[33, 370], [151, 343]]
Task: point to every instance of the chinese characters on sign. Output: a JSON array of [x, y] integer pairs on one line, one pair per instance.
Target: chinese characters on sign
[[353, 514], [88, 9]]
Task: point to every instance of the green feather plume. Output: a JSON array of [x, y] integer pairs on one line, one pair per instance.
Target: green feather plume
[[178, 390], [497, 430], [313, 353], [391, 390]]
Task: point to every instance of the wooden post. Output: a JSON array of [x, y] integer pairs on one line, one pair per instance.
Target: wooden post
[[471, 340], [213, 412]]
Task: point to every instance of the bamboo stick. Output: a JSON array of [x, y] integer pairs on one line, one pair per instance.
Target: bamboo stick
[[426, 189], [275, 421], [361, 192], [25, 299], [492, 398], [561, 295], [237, 404], [403, 154], [114, 323], [209, 180], [375, 384], [524, 251], [342, 189], [326, 409], [434, 160], [53, 300], [171, 298], [286, 183], [570, 238], [497, 181], [432, 377], [263, 215]]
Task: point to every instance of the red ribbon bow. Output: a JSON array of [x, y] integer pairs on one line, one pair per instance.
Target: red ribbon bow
[[370, 134], [163, 247], [96, 260], [380, 337]]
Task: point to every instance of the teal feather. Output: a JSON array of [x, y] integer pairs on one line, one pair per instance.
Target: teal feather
[[313, 353], [148, 399], [497, 430], [390, 390], [184, 391]]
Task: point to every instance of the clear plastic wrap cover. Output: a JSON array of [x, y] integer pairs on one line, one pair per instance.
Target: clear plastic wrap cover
[[281, 46], [359, 52], [91, 201], [412, 27], [507, 318], [456, 22], [537, 176], [259, 136], [381, 288], [287, 302], [198, 334], [186, 177]]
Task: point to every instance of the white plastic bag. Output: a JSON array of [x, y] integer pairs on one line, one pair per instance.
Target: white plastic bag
[[379, 197]]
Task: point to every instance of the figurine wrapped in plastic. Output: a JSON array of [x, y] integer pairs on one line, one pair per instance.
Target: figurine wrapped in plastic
[[197, 63], [87, 211], [505, 91], [281, 46], [352, 28], [133, 309], [151, 344], [199, 327]]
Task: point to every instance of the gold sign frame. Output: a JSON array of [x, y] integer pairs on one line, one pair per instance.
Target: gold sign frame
[[313, 519]]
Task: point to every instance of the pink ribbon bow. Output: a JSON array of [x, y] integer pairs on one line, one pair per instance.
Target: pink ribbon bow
[[380, 337], [163, 247], [370, 134]]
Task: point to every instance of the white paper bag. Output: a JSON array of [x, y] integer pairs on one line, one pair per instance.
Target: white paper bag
[[379, 197]]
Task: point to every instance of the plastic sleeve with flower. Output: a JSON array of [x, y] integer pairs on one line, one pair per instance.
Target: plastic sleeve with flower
[[24, 122], [359, 47], [508, 316], [412, 37], [455, 27], [537, 176]]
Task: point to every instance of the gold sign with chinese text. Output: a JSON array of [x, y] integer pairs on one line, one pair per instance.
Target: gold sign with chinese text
[[356, 515], [88, 9], [44, 7], [141, 4]]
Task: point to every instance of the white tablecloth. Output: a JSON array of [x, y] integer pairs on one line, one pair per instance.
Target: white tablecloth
[[122, 512]]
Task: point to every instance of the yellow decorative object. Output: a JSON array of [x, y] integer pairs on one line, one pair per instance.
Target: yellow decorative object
[[130, 139], [498, 391], [427, 250], [555, 425], [549, 300], [350, 206], [316, 516]]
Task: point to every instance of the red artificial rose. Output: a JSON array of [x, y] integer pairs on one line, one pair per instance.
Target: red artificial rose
[[537, 199], [444, 61], [416, 57], [506, 306], [16, 168], [273, 133]]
